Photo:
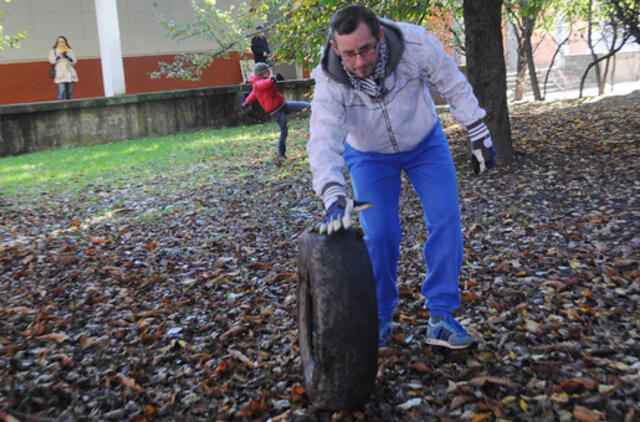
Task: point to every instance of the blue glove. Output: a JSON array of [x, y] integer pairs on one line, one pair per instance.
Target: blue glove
[[483, 156], [244, 105], [339, 214]]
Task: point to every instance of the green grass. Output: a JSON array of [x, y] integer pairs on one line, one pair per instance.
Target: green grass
[[182, 158]]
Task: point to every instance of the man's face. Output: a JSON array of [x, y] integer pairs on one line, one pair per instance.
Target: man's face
[[358, 50]]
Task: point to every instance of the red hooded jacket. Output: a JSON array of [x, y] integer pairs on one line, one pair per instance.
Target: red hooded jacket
[[266, 92]]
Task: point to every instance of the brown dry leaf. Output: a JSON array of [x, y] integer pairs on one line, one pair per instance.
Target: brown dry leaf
[[234, 331], [420, 367], [131, 383], [575, 383], [281, 417], [121, 210], [145, 323], [477, 417], [259, 266], [107, 268], [556, 284], [283, 276], [7, 417], [208, 388], [481, 381], [97, 240], [27, 259], [533, 327], [623, 263], [238, 355], [221, 368], [66, 361], [469, 297], [358, 415], [20, 309], [298, 389], [57, 337], [459, 400], [585, 415]]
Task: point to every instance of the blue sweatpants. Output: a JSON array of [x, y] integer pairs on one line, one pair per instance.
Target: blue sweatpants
[[377, 178]]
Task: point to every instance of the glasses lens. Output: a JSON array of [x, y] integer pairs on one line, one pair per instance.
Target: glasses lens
[[363, 52]]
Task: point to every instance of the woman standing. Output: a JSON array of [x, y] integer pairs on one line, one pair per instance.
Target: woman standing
[[64, 60]]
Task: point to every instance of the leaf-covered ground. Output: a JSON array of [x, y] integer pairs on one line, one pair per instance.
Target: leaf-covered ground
[[180, 305]]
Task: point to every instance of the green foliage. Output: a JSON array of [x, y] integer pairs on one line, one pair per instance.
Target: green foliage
[[297, 29], [300, 35], [228, 30], [12, 41]]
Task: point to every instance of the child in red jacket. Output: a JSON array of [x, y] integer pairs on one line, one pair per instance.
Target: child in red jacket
[[267, 94]]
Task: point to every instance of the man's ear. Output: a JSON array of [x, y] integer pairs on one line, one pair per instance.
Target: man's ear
[[335, 49], [381, 35]]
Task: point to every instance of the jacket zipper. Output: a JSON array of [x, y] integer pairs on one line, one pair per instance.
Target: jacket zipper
[[394, 143]]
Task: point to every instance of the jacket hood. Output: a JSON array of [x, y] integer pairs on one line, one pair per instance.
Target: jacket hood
[[253, 77], [395, 46]]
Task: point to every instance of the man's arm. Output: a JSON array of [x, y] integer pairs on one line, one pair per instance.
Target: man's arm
[[327, 129], [442, 74]]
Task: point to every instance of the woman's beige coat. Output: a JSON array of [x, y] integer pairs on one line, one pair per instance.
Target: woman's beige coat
[[65, 71]]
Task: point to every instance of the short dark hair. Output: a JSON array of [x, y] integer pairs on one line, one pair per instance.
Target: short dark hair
[[347, 19]]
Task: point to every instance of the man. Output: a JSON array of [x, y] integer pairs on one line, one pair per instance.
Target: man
[[260, 47], [372, 112]]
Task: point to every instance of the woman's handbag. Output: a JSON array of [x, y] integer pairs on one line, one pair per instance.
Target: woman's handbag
[[52, 71]]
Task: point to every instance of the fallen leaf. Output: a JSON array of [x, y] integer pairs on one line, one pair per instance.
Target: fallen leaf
[[130, 383], [481, 381], [57, 337], [97, 240], [585, 415]]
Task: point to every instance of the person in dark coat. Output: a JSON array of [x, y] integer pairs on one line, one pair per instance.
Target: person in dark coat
[[260, 47]]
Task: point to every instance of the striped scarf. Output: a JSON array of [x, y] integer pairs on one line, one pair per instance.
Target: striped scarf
[[372, 85]]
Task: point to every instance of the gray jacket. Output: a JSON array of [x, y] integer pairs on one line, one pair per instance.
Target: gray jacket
[[403, 116]]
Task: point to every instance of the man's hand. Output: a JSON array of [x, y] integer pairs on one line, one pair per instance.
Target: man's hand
[[339, 214], [483, 156], [244, 105]]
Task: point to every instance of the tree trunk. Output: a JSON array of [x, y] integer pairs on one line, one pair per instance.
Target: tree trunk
[[553, 59], [486, 69], [529, 24], [521, 74], [594, 56]]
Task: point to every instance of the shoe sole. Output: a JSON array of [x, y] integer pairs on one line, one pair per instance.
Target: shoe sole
[[442, 343]]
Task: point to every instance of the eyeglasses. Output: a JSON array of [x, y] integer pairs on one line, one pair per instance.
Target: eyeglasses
[[364, 52]]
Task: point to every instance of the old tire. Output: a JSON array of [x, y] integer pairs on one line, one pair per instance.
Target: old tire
[[337, 319]]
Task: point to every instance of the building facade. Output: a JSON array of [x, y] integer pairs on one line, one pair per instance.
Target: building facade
[[24, 71]]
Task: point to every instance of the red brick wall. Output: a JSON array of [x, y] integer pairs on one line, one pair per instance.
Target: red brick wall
[[29, 82]]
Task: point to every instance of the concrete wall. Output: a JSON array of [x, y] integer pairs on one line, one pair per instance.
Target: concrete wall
[[34, 127], [623, 67]]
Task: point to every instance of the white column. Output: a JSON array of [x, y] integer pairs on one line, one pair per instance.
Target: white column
[[110, 49]]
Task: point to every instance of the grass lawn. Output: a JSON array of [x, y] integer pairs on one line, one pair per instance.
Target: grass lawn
[[191, 159]]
